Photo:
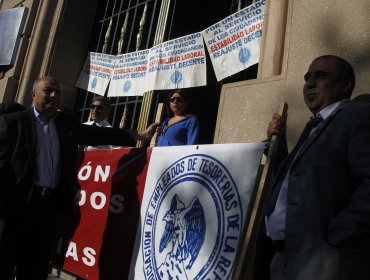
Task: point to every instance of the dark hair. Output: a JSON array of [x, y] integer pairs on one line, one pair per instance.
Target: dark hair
[[184, 95], [345, 70], [102, 99]]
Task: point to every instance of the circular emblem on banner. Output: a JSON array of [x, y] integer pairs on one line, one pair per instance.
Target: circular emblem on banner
[[192, 222], [176, 77], [94, 82], [127, 86], [244, 55]]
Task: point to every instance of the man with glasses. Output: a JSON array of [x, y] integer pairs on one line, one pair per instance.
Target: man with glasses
[[99, 113]]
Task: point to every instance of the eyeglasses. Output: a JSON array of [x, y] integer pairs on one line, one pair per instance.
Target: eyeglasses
[[174, 98], [97, 107]]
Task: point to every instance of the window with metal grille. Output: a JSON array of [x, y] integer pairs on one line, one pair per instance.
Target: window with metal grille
[[123, 26], [120, 27]]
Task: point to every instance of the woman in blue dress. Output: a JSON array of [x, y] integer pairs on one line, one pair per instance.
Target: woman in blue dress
[[181, 128]]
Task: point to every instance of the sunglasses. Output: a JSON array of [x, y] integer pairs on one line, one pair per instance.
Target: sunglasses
[[97, 107], [174, 98]]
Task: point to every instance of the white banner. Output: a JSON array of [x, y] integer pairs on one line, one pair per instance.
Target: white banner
[[96, 73], [129, 74], [179, 63], [234, 42], [194, 205]]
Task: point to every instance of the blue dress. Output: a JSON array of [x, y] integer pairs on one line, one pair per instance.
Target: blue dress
[[183, 132]]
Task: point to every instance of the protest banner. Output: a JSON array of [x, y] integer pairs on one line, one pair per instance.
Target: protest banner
[[129, 74], [194, 205], [234, 42], [112, 184], [96, 73], [178, 63], [192, 213]]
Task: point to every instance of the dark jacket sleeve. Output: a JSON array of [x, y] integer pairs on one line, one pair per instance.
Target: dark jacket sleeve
[[5, 153], [351, 225], [88, 135], [93, 136]]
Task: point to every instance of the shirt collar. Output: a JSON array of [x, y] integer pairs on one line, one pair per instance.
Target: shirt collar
[[41, 117], [326, 112], [101, 123]]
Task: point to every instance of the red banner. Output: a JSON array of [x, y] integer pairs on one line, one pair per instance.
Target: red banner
[[112, 184]]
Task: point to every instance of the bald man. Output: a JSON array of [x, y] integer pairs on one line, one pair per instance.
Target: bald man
[[38, 171]]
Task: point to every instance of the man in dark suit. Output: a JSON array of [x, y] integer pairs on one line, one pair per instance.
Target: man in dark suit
[[319, 222], [38, 171]]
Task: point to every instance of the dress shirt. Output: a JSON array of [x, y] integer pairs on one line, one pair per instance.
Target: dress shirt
[[47, 169], [275, 223]]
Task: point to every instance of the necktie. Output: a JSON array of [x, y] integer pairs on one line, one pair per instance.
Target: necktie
[[271, 202]]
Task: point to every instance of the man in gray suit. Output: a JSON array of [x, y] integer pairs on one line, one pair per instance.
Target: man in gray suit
[[317, 216]]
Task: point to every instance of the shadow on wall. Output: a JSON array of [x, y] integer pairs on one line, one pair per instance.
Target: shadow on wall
[[345, 31]]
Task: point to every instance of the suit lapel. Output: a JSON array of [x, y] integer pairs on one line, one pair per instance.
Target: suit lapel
[[61, 132], [317, 132], [28, 124], [29, 127], [64, 138]]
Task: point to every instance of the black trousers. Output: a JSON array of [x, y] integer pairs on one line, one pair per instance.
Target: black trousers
[[28, 238]]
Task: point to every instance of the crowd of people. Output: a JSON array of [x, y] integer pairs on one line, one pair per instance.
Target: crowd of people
[[315, 222]]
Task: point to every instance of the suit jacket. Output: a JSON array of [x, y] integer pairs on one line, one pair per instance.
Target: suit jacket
[[327, 226], [17, 161]]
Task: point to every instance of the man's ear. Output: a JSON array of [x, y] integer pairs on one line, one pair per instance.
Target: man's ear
[[33, 94], [348, 87]]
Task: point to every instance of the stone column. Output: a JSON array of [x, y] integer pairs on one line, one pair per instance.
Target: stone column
[[148, 96], [273, 39], [41, 44]]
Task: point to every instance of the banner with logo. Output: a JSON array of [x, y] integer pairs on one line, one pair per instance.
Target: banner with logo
[[194, 205], [179, 63], [129, 74], [233, 45], [96, 73], [234, 42], [112, 185]]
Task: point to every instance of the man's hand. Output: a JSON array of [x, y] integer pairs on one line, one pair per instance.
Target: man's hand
[[277, 126], [148, 133]]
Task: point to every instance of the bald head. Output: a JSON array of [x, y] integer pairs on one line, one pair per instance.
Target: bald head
[[46, 95], [329, 79]]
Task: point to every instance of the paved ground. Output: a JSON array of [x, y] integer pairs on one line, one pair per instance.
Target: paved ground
[[61, 276]]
